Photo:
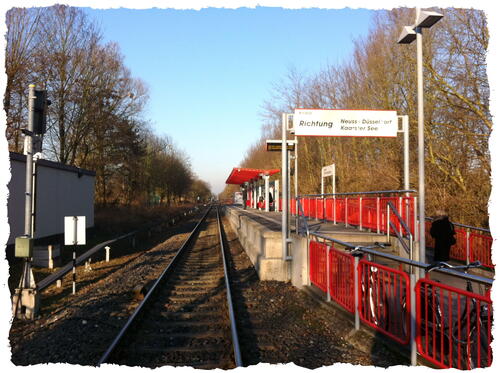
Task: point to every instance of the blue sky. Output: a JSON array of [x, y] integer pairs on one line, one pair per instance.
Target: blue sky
[[210, 71]]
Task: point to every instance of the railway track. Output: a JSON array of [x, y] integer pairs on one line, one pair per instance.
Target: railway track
[[186, 318]]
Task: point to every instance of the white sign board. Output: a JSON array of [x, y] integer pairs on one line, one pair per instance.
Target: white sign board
[[328, 170], [351, 123], [74, 230]]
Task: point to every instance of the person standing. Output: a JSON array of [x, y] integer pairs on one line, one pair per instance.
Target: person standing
[[443, 232]]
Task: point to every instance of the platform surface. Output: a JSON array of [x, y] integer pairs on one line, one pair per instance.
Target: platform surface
[[272, 220]]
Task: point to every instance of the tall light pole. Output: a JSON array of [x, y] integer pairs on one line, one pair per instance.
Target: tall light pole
[[423, 19]]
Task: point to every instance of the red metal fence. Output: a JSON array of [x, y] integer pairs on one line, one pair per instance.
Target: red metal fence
[[317, 264], [341, 278], [384, 299], [479, 245], [453, 326], [371, 213]]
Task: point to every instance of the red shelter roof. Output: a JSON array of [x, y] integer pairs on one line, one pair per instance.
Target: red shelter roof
[[240, 175]]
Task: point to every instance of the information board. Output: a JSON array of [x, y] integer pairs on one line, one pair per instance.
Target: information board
[[345, 123], [74, 230]]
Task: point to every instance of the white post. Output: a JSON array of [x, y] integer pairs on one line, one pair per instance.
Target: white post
[[74, 273], [328, 296], [467, 248], [285, 187], [388, 218], [322, 183], [360, 213], [378, 215], [356, 293], [277, 195], [333, 179], [401, 214], [345, 205], [406, 152], [296, 177], [417, 234], [406, 164], [266, 192], [421, 147], [259, 194], [51, 261], [334, 210], [413, 314], [107, 248]]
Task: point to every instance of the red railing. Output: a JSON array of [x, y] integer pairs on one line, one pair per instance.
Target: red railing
[[317, 264], [371, 213], [384, 300], [453, 326], [479, 245], [341, 278]]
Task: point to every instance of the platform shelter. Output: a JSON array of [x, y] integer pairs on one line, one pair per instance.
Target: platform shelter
[[250, 181]]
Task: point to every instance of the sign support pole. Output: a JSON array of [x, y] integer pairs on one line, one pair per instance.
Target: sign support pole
[[296, 177], [284, 187], [25, 302], [28, 207], [266, 191], [75, 241]]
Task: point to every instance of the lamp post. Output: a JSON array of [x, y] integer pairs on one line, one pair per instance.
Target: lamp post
[[424, 19]]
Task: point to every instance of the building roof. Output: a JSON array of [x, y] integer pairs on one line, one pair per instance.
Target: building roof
[[241, 175], [60, 166]]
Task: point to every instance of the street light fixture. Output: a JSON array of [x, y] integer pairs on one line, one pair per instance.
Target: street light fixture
[[423, 19], [427, 19], [407, 36]]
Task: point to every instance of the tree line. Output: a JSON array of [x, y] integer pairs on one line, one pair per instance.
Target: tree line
[[95, 120], [380, 74]]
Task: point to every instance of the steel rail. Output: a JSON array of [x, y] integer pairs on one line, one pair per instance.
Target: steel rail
[[465, 226], [68, 266], [138, 309], [234, 332], [358, 193]]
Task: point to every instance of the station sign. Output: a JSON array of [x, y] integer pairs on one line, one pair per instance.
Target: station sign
[[345, 123], [328, 170], [276, 145], [74, 230]]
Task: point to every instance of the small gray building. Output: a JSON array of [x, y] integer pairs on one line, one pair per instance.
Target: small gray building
[[61, 190]]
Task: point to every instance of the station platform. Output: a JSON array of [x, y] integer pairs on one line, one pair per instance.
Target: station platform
[[260, 235], [352, 235]]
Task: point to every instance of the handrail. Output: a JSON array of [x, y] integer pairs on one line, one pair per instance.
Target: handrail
[[301, 214], [465, 226], [400, 219], [409, 250], [47, 281], [68, 266], [462, 275], [400, 239], [359, 193]]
